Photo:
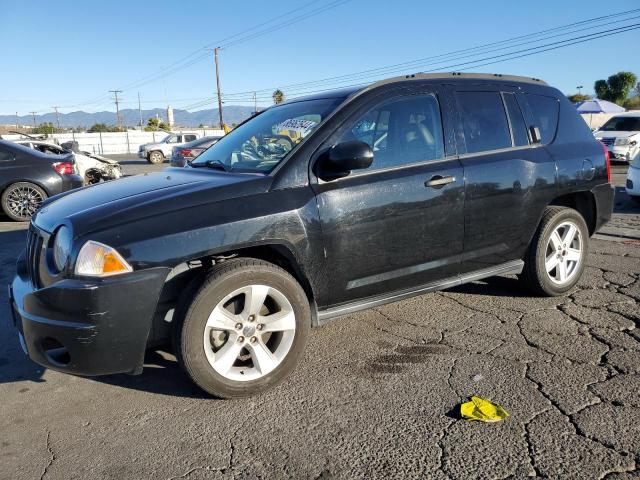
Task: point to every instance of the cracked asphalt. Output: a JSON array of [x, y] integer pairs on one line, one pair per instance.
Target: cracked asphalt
[[376, 393]]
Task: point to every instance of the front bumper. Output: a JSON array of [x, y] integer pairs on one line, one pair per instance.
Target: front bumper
[[87, 326], [633, 181], [142, 154]]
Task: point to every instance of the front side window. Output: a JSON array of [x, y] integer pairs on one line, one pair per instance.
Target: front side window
[[622, 124], [545, 115], [484, 121], [262, 142], [172, 139], [401, 131]]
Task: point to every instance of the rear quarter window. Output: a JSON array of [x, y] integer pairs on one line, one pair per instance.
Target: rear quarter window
[[545, 115]]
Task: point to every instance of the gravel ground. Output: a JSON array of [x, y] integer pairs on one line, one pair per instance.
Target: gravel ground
[[376, 393]]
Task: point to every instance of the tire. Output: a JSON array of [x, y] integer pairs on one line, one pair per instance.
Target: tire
[[537, 276], [230, 362], [21, 200], [155, 157]]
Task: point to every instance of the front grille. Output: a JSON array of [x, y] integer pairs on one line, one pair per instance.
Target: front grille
[[608, 141], [34, 252]]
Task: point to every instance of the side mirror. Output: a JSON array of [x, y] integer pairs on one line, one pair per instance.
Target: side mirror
[[340, 159], [534, 133]]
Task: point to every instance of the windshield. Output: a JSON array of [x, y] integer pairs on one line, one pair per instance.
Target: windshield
[[622, 124], [264, 141]]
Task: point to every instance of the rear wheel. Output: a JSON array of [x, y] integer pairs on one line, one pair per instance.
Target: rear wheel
[[156, 157], [21, 200], [245, 329], [557, 254]]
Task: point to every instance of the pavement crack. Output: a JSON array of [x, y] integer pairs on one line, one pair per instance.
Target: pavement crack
[[572, 422], [52, 456]]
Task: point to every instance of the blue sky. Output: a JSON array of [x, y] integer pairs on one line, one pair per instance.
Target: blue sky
[[71, 53]]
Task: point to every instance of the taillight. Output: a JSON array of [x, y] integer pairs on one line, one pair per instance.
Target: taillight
[[64, 168], [607, 161], [185, 152]]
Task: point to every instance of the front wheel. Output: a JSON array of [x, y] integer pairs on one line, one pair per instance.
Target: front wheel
[[557, 255], [245, 329]]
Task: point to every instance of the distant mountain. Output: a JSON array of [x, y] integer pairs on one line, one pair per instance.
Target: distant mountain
[[183, 118]]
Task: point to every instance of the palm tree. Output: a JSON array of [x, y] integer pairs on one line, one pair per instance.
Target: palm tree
[[278, 96]]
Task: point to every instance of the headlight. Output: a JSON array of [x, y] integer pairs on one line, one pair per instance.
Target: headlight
[[62, 247], [621, 141], [99, 260]]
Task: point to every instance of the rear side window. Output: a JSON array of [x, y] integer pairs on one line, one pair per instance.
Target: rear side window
[[484, 120], [545, 115], [189, 138], [518, 127]]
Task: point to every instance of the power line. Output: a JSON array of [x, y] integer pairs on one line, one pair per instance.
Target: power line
[[197, 56], [445, 56], [535, 49]]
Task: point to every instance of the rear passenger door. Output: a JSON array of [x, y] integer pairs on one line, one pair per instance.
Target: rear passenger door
[[507, 179]]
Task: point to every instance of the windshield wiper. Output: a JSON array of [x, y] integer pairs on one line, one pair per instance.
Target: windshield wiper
[[215, 164]]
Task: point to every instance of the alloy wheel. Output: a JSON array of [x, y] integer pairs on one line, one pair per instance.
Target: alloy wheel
[[24, 201], [563, 253], [249, 333]]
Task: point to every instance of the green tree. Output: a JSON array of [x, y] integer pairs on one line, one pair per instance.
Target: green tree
[[578, 97], [99, 127], [632, 103], [278, 96], [616, 88], [154, 124], [46, 127]]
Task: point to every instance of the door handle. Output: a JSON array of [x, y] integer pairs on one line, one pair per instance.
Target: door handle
[[439, 181]]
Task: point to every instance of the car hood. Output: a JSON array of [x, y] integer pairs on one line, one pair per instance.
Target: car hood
[[615, 134], [128, 199]]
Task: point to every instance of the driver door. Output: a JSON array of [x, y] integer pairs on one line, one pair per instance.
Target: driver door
[[389, 227]]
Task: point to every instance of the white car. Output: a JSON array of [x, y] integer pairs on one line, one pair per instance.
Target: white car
[[621, 135], [157, 152], [91, 167], [633, 178]]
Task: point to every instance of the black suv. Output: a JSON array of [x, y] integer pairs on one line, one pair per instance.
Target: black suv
[[310, 210]]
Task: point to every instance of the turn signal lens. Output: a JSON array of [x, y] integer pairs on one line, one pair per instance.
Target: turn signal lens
[[99, 260]]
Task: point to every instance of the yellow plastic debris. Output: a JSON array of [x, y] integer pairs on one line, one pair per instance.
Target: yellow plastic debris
[[482, 409]]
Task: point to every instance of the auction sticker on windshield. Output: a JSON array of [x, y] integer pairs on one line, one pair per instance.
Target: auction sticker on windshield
[[303, 127]]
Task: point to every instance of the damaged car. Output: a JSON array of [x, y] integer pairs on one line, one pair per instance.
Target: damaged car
[[91, 167]]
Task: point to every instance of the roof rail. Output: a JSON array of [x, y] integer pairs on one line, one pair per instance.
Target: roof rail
[[478, 76]]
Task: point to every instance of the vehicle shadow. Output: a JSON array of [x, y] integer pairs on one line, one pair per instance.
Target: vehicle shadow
[[493, 287], [14, 364], [161, 374], [623, 203]]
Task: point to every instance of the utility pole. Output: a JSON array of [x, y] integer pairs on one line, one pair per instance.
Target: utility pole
[[255, 104], [215, 57], [33, 114], [140, 111], [580, 87], [57, 117], [17, 122], [115, 93]]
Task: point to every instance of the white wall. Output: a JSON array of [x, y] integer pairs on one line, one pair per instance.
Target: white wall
[[115, 142]]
